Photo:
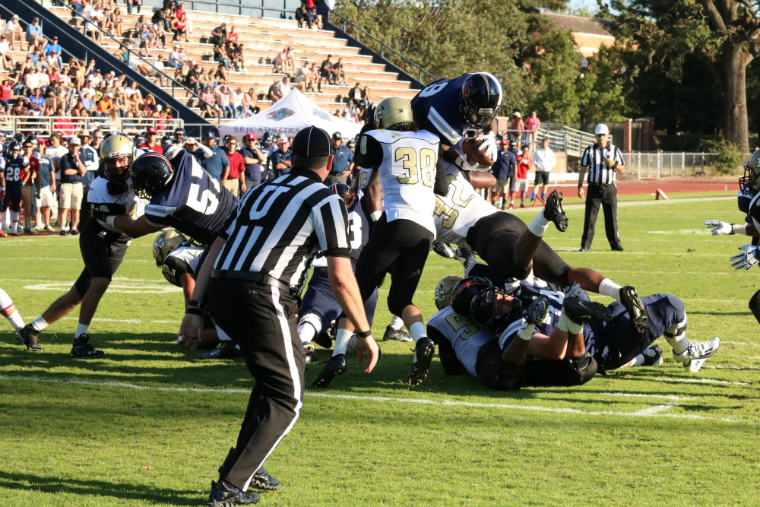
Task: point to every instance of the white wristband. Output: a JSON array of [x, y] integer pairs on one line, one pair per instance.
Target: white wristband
[[739, 229], [110, 220], [375, 215]]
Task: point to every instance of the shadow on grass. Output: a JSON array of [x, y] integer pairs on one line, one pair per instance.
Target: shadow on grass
[[30, 482]]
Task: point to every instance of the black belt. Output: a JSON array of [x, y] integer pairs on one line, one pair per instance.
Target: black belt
[[252, 276], [602, 184]]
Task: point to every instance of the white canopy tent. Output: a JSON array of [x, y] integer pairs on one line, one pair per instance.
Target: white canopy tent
[[291, 114]]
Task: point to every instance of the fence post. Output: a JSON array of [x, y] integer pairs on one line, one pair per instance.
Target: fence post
[[683, 164]]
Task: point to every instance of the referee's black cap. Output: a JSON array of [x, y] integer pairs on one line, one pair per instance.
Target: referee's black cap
[[312, 142]]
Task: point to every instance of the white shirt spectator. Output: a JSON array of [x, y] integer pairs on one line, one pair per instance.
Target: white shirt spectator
[[236, 99], [55, 154], [285, 89], [32, 81], [222, 97], [544, 159], [43, 80], [4, 48], [10, 26], [93, 15], [95, 79], [159, 65], [174, 57]]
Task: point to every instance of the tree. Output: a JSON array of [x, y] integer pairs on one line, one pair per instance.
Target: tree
[[723, 34]]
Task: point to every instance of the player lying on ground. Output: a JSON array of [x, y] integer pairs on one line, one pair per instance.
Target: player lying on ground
[[102, 246], [179, 262]]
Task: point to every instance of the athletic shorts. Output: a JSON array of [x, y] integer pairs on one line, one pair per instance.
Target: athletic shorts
[[502, 184], [520, 185], [542, 178], [71, 196], [320, 300], [102, 253], [13, 197]]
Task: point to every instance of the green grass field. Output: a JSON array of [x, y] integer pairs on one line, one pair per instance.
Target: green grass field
[[149, 424]]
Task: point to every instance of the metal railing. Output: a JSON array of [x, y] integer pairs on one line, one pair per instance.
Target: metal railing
[[656, 165], [383, 47], [563, 139], [46, 125]]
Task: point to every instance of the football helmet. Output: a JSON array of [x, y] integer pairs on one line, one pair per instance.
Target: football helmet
[[393, 112], [443, 290], [480, 99], [465, 291], [151, 173], [166, 141], [141, 138], [167, 242], [115, 147], [19, 137], [750, 182], [481, 309], [14, 150], [179, 135]]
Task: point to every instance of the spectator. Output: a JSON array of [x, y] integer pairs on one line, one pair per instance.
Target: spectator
[[236, 99], [6, 91], [503, 170], [304, 79], [279, 61], [133, 4], [302, 16], [72, 171], [46, 184], [157, 70], [285, 87], [176, 60], [311, 8], [5, 54], [220, 76], [232, 36], [37, 100], [223, 97], [367, 96], [290, 62], [325, 72], [105, 105], [113, 23], [193, 80], [341, 165], [274, 94], [151, 141], [250, 102], [191, 146], [160, 20], [252, 160], [220, 57], [207, 109], [214, 164], [237, 57], [179, 23], [93, 16], [355, 93], [34, 33], [517, 126], [545, 161], [339, 73], [280, 159], [531, 125], [233, 176], [219, 35], [14, 32], [28, 177], [524, 165]]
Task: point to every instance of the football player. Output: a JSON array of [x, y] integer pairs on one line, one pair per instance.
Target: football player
[[179, 137], [179, 262], [17, 174], [749, 185], [411, 173], [102, 245], [8, 310]]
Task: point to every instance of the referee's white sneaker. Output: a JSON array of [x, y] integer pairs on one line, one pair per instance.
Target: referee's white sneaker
[[695, 354]]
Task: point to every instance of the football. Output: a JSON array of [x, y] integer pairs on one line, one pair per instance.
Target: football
[[475, 156]]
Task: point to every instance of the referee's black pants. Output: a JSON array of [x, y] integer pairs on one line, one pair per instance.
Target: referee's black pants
[[606, 195], [261, 320]]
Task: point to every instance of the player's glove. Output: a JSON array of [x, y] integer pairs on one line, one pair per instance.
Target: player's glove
[[719, 227], [746, 259], [488, 142]]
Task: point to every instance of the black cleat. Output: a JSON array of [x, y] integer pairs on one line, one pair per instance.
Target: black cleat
[[227, 350], [83, 350], [618, 248], [323, 340], [636, 310], [311, 354], [553, 211], [580, 311], [334, 367], [423, 355], [224, 496], [538, 309], [29, 337], [399, 335], [443, 249], [583, 249], [262, 480]]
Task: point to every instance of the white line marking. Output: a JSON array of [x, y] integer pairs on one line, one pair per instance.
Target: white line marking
[[732, 368], [742, 343], [622, 254], [120, 321], [118, 287], [700, 381], [661, 396], [656, 410], [531, 408], [62, 259]]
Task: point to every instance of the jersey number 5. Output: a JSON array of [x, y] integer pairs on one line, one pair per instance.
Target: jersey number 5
[[426, 166]]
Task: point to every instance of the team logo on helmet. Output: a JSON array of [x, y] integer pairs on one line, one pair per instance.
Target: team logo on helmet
[[280, 114]]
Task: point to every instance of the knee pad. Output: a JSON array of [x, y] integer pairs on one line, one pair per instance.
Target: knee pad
[[313, 320], [583, 367], [754, 302], [679, 328]]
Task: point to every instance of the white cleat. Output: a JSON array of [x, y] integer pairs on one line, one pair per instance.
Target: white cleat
[[694, 356]]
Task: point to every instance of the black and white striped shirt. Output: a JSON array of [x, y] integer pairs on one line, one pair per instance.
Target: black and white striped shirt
[[279, 226], [593, 159]]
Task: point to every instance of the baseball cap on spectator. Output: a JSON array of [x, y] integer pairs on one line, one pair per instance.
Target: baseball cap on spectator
[[151, 130], [312, 142], [602, 129], [505, 141], [15, 16], [190, 140], [55, 38], [282, 140], [250, 137], [54, 52], [83, 133], [159, 107], [337, 135], [36, 20], [74, 141], [209, 135]]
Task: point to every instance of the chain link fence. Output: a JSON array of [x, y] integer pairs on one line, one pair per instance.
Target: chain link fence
[[644, 166]]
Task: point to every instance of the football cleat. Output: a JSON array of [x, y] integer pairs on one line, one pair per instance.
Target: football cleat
[[311, 354], [262, 480], [398, 335], [227, 350], [334, 367], [83, 350], [553, 211], [537, 310], [466, 257], [636, 310], [224, 496], [695, 354], [423, 355], [443, 249], [580, 311], [652, 356], [29, 337]]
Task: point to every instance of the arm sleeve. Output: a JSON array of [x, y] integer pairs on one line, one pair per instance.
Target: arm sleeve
[[330, 220], [370, 152], [619, 156], [158, 216], [585, 162], [441, 183]]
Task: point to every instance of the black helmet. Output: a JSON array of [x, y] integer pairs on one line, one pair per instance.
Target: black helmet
[[14, 146], [31, 138], [166, 141], [339, 188], [481, 309], [464, 292], [151, 173], [480, 99], [179, 134], [140, 139]]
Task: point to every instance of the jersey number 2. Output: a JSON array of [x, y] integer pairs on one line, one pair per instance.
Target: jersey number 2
[[426, 166]]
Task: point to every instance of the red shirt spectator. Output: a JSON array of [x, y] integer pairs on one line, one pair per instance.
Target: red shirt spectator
[[34, 167], [309, 4], [523, 167], [237, 165], [64, 125], [155, 148], [5, 91], [152, 138]]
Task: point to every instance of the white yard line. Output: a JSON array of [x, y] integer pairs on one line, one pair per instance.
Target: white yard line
[[661, 396], [742, 343], [701, 381], [646, 412]]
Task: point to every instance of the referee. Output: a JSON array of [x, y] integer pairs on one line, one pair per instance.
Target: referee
[[252, 280], [602, 160]]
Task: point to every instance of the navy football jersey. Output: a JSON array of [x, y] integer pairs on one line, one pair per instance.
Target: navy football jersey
[[13, 169], [436, 109], [359, 221], [195, 204]]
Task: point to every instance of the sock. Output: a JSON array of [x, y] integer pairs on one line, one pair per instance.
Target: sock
[[543, 196], [306, 332], [526, 331], [609, 288], [341, 341], [636, 361], [396, 322], [417, 330], [81, 329], [39, 324], [565, 324], [533, 197], [223, 337], [677, 338], [16, 321], [539, 225], [6, 303]]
